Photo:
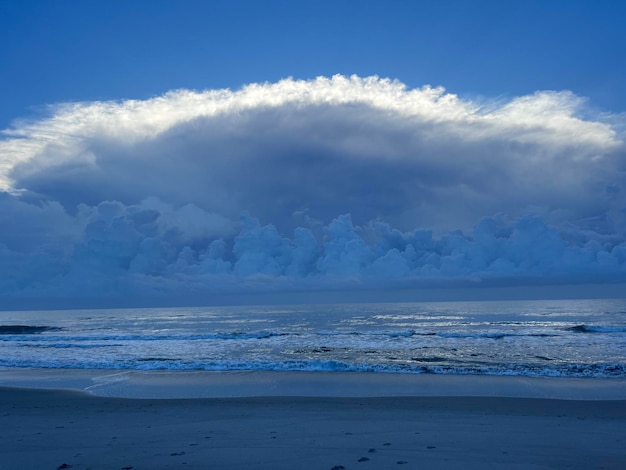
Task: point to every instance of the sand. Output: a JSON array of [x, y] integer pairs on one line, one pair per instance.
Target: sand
[[50, 429], [231, 384]]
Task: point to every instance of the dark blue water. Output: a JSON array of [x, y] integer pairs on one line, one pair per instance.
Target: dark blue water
[[569, 338]]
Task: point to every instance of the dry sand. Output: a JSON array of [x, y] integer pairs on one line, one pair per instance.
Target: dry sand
[[50, 429]]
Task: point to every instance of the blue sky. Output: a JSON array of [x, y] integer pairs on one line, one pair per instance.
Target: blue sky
[[159, 151], [64, 50]]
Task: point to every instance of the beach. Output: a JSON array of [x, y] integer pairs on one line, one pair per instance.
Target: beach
[[53, 428], [478, 385]]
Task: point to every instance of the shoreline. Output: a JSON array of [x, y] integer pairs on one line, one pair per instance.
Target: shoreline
[[241, 384], [68, 429]]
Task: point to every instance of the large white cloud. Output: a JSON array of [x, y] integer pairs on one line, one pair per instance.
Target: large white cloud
[[179, 170]]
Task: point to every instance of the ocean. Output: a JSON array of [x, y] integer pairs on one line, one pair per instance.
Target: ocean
[[566, 338]]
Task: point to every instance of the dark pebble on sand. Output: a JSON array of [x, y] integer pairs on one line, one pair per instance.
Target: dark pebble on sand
[[64, 465], [430, 447], [338, 467], [387, 444], [401, 462], [173, 454], [372, 451], [363, 459]]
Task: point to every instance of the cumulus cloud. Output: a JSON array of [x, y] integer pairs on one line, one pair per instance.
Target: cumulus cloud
[[341, 181]]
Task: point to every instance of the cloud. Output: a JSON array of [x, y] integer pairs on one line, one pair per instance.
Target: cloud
[[342, 181], [128, 252]]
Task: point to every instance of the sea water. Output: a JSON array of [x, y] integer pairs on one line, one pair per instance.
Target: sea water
[[568, 338]]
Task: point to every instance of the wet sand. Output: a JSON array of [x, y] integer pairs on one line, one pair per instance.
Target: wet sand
[[50, 429], [232, 384]]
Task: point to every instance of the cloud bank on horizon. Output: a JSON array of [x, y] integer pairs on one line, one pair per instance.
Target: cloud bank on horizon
[[341, 182]]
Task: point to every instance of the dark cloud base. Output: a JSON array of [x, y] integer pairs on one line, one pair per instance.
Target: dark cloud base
[[127, 255]]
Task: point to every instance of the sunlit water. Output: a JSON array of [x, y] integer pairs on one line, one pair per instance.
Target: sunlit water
[[573, 338]]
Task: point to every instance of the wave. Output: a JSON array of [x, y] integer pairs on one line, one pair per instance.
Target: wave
[[419, 366], [246, 336], [25, 329], [145, 337], [597, 329], [451, 335], [69, 346]]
